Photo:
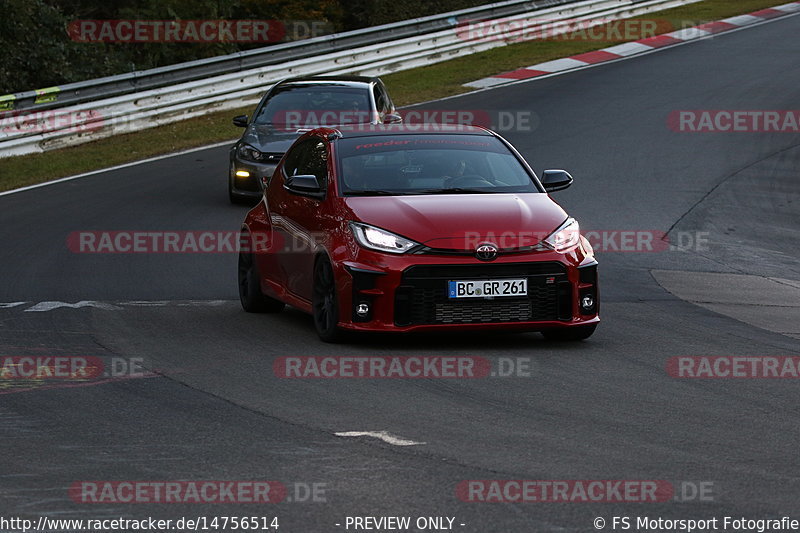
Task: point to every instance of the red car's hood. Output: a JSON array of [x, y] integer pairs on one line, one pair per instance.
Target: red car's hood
[[461, 221]]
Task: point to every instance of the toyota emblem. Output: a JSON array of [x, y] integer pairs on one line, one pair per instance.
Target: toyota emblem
[[486, 252]]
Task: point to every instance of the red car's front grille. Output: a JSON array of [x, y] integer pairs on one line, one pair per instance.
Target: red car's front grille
[[422, 296], [472, 312]]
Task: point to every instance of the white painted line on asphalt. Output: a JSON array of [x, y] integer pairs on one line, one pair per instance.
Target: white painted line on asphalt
[[9, 305], [788, 8], [688, 34], [385, 436], [628, 49], [558, 65], [42, 307], [110, 169], [742, 20], [145, 303], [201, 303], [486, 82], [50, 305]]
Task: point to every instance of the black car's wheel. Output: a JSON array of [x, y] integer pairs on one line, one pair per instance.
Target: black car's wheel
[[578, 333], [233, 197], [324, 302], [253, 300]]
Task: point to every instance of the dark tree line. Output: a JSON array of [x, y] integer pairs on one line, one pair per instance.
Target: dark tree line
[[37, 51]]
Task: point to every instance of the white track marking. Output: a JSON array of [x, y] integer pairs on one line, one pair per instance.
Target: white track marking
[[558, 65], [628, 49], [742, 20], [146, 303], [49, 306], [9, 305], [686, 34], [201, 303], [385, 436], [484, 83], [788, 8]]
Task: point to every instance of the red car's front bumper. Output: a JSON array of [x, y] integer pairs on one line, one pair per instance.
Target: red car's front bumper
[[409, 292]]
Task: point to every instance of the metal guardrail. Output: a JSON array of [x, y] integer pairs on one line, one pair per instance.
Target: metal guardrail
[[134, 111], [108, 87]]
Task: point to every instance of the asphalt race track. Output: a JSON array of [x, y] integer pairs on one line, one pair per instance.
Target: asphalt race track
[[604, 409]]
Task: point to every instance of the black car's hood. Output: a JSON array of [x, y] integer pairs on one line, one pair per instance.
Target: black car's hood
[[269, 138]]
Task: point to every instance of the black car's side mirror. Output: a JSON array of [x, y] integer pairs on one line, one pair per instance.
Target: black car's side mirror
[[305, 184], [392, 118], [240, 121], [556, 180]]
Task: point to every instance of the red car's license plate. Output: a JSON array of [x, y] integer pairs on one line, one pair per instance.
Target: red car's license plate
[[487, 288]]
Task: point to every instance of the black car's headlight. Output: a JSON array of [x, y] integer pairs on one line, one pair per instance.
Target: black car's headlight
[[380, 239], [249, 153]]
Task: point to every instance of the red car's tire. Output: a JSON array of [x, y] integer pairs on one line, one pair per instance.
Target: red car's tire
[[325, 303], [250, 295]]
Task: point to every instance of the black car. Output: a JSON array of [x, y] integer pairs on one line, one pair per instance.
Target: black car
[[292, 107]]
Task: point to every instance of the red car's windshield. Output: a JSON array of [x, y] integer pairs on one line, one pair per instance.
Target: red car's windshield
[[429, 164]]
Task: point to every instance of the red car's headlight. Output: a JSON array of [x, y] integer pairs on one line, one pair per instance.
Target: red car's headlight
[[380, 239], [567, 236]]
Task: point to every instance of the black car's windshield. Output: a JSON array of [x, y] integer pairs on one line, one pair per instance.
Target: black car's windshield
[[429, 164], [311, 105]]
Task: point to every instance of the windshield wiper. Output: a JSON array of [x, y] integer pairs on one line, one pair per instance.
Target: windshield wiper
[[373, 192], [451, 190], [413, 192]]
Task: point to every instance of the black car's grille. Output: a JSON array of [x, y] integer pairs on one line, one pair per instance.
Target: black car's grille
[[422, 295], [271, 157]]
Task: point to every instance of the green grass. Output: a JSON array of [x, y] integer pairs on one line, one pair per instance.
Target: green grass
[[35, 168], [407, 87]]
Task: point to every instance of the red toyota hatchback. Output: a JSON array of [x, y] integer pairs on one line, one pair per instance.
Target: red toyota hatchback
[[409, 228]]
